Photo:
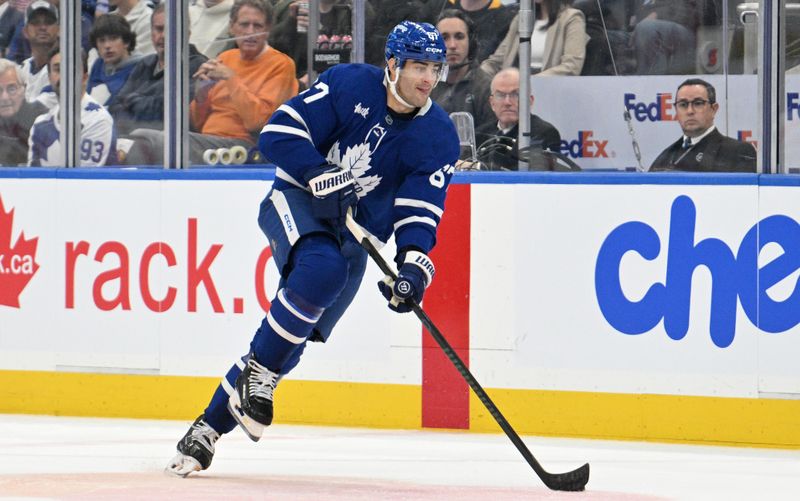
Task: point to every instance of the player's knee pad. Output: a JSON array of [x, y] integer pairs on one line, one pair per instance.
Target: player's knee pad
[[319, 270]]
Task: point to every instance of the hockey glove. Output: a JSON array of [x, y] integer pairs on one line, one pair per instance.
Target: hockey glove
[[334, 192], [415, 274]]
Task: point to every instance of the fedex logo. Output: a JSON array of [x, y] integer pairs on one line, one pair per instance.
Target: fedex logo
[[792, 105], [736, 276], [585, 146], [659, 110], [746, 136]]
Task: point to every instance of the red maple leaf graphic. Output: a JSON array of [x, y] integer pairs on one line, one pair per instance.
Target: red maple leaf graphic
[[17, 263]]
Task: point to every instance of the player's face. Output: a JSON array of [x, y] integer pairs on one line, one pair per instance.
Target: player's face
[[12, 93], [112, 49], [416, 81], [250, 30], [157, 33], [695, 114], [505, 99], [42, 29], [454, 33]]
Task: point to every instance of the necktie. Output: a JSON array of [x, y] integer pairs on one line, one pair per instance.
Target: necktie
[[687, 142]]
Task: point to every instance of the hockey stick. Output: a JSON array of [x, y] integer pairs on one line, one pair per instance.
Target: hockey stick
[[569, 481]]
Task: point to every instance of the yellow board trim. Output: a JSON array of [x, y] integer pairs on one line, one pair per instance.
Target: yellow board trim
[[660, 418], [181, 397], [663, 418]]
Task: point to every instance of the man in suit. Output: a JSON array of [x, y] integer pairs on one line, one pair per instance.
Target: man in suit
[[499, 138], [702, 148]]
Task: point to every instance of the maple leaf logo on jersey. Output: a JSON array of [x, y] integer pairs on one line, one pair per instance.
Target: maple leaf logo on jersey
[[17, 262], [356, 159]]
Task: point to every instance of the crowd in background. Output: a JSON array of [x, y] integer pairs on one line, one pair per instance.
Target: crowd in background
[[248, 56]]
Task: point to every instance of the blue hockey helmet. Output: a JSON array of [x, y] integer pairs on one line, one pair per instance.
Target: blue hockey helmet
[[418, 41]]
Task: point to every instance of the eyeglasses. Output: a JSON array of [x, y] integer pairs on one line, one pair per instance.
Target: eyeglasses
[[696, 104], [501, 96], [12, 90]]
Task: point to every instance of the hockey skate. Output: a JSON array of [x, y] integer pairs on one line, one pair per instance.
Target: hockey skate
[[251, 401], [195, 449]]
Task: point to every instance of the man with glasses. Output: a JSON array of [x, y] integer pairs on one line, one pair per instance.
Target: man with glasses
[[702, 148], [16, 116], [501, 136]]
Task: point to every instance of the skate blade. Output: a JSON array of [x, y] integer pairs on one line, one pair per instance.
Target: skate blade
[[252, 428], [182, 465]]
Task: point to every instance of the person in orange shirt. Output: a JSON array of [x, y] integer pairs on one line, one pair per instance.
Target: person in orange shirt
[[236, 93]]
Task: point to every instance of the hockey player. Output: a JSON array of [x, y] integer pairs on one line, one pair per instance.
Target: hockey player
[[98, 142], [360, 139]]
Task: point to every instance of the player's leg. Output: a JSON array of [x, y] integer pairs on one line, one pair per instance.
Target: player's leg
[[307, 252], [317, 276]]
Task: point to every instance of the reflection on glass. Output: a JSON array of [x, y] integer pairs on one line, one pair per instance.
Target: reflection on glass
[[790, 133]]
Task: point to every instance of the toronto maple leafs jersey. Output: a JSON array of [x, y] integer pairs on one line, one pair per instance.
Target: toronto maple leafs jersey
[[402, 166], [97, 144]]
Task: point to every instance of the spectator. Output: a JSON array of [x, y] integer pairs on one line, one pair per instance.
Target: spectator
[[138, 13], [558, 42], [466, 87], [9, 18], [702, 148], [140, 102], [209, 20], [335, 17], [492, 20], [19, 49], [608, 24], [390, 13], [114, 41], [97, 142], [41, 31], [665, 35], [505, 104], [237, 92], [16, 115]]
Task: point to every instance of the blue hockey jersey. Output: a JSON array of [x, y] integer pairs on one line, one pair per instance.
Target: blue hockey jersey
[[402, 167]]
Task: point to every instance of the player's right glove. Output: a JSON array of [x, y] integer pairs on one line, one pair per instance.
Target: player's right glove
[[334, 192], [414, 276]]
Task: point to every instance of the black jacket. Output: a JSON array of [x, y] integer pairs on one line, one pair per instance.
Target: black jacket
[[140, 102], [470, 94], [14, 133], [714, 153], [542, 132]]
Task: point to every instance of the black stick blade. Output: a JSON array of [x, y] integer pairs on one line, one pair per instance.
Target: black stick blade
[[570, 481]]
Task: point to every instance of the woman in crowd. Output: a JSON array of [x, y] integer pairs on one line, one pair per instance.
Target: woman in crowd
[[558, 41]]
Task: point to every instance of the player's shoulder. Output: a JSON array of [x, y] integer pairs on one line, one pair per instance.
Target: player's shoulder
[[434, 118]]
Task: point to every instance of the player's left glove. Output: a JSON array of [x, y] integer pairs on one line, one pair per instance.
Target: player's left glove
[[334, 192], [415, 275]]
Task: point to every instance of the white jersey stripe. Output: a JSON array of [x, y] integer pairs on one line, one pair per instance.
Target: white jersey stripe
[[283, 332], [294, 114], [294, 311], [285, 215], [414, 219], [285, 129], [227, 386], [420, 204]]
